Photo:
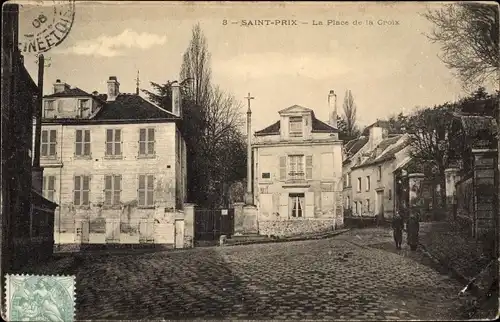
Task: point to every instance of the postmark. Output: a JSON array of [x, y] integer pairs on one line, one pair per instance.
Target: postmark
[[40, 298], [46, 24]]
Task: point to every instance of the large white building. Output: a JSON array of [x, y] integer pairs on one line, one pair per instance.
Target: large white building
[[115, 164], [297, 173]]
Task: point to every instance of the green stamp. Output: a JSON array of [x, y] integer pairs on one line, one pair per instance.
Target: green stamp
[[40, 298]]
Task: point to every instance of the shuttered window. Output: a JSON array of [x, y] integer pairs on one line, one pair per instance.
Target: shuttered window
[[82, 143], [81, 190], [147, 142], [48, 141], [145, 190], [112, 189], [49, 187], [113, 142]]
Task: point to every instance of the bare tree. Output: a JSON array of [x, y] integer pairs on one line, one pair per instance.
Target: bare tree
[[468, 35], [349, 117], [213, 119]]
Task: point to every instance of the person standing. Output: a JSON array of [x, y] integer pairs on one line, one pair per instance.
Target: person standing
[[397, 227], [413, 227]]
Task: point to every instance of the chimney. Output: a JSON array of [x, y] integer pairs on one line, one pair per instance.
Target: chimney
[[95, 93], [176, 99], [332, 107], [113, 88], [377, 134], [60, 87]]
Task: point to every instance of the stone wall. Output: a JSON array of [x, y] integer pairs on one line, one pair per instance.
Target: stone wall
[[284, 228]]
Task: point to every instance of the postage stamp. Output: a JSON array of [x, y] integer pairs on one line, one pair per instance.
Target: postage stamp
[[40, 298], [48, 23]]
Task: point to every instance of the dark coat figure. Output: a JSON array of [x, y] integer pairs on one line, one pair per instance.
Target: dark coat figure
[[397, 227], [413, 227]]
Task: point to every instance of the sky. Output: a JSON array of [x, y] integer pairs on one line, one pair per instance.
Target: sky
[[390, 66]]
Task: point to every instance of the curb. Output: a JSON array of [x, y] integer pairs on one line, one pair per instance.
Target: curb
[[457, 275], [290, 239]]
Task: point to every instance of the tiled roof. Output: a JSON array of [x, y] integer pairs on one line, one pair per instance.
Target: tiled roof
[[353, 146], [317, 127], [384, 151], [69, 92], [271, 129], [131, 107]]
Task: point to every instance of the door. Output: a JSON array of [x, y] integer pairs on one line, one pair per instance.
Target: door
[[112, 230], [179, 234], [81, 231], [146, 230], [380, 204]]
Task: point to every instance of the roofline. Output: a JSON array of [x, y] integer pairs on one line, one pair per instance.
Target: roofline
[[373, 163], [111, 121]]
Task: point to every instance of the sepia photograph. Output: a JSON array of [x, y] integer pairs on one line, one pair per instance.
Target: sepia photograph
[[250, 160]]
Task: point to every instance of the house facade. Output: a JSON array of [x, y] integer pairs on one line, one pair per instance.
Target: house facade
[[297, 174], [116, 165], [370, 173]]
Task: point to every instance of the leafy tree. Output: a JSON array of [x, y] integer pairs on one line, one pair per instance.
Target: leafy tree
[[468, 35]]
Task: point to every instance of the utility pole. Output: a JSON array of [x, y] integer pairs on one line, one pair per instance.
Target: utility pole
[[249, 195]]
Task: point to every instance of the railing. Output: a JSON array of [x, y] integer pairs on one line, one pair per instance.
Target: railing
[[296, 175]]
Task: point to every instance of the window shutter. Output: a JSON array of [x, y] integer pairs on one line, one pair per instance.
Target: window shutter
[[44, 184], [283, 208], [51, 183], [309, 167], [282, 168], [309, 211]]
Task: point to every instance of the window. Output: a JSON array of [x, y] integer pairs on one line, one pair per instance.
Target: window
[[359, 184], [112, 189], [82, 144], [83, 105], [379, 172], [348, 202], [296, 126], [367, 183], [49, 143], [296, 167], [345, 180], [368, 205], [81, 191], [48, 108], [113, 142], [390, 194], [360, 207], [348, 179], [297, 205], [49, 187], [146, 142], [145, 191], [266, 175]]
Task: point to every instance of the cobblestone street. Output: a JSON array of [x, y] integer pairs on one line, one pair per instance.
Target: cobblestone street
[[357, 275]]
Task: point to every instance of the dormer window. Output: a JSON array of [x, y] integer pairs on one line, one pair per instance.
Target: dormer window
[[83, 105], [296, 126], [48, 108]]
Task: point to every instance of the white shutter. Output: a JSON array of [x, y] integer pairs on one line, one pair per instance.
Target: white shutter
[[85, 232], [309, 167], [283, 209], [309, 204], [282, 168]]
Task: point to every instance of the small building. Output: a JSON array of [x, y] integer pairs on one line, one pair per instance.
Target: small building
[[368, 171], [297, 173], [116, 165]]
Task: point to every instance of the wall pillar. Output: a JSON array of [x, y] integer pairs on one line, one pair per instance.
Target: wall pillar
[[245, 219], [188, 225], [451, 175], [415, 181], [484, 191]]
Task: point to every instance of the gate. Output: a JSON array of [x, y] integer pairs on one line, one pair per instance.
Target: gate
[[210, 224]]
